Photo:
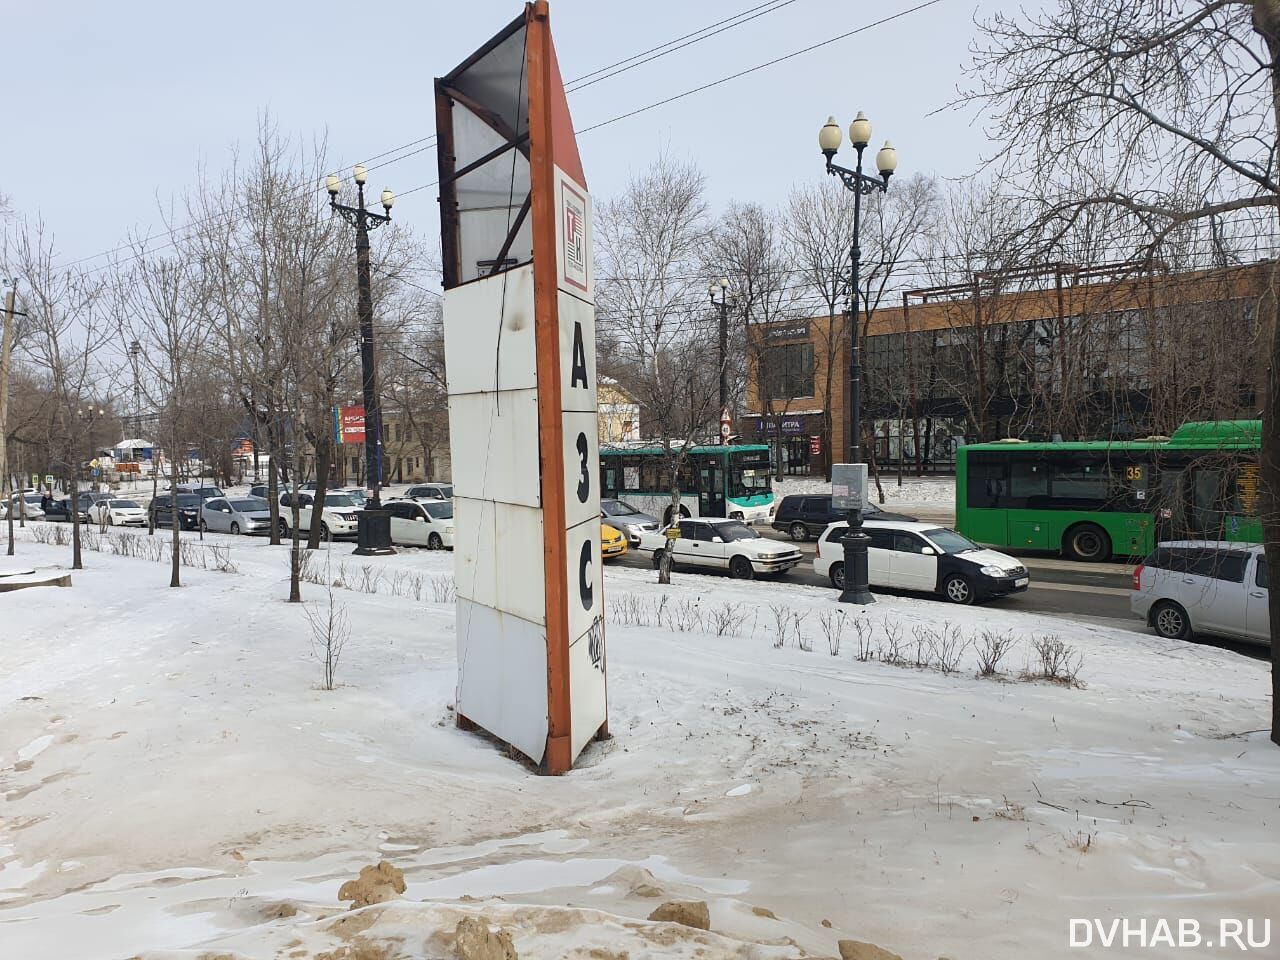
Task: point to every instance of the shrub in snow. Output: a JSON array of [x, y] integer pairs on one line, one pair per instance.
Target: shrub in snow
[[1055, 661], [992, 647]]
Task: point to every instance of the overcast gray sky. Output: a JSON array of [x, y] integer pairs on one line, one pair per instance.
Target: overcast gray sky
[[110, 105]]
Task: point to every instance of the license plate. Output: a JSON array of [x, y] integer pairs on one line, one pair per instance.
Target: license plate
[[1022, 581]]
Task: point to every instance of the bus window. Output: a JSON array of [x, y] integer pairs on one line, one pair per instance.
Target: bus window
[[1130, 481], [1080, 482], [1028, 483], [988, 486]]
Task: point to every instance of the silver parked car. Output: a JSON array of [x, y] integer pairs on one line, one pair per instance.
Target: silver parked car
[[1216, 587], [236, 515], [627, 519]]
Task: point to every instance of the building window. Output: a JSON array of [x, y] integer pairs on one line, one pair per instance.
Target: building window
[[788, 371]]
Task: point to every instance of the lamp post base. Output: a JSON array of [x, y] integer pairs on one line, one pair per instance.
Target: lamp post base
[[373, 533], [856, 572]]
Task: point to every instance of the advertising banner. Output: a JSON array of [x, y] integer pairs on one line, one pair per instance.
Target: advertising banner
[[348, 425], [515, 219]]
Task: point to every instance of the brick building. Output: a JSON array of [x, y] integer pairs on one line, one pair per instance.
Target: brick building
[[1060, 351]]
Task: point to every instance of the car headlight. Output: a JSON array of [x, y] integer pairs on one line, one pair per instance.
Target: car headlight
[[993, 571]]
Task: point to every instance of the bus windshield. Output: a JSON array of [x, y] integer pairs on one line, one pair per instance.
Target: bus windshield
[[749, 480]]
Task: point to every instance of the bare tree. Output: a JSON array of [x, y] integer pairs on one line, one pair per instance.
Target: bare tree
[[747, 249], [818, 227], [158, 302], [66, 328], [1169, 113], [654, 314]]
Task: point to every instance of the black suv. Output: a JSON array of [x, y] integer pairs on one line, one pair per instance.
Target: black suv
[[188, 511], [805, 515]]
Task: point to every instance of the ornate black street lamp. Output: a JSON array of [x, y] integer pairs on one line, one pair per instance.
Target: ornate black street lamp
[[856, 588], [374, 523]]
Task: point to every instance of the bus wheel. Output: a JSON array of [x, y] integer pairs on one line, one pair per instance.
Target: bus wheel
[[740, 568], [1087, 541], [1171, 621], [666, 516]]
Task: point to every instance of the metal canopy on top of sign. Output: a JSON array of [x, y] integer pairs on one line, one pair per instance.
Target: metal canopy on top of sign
[[482, 109], [519, 327]]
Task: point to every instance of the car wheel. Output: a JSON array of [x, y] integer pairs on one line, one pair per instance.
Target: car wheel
[[111, 521], [235, 529], [325, 535], [657, 558], [740, 568], [1088, 542], [204, 527], [799, 532], [284, 529], [958, 589], [434, 542], [836, 573], [1171, 621]]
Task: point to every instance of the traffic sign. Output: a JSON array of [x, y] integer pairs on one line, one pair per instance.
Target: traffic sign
[[93, 462], [848, 486], [48, 480]]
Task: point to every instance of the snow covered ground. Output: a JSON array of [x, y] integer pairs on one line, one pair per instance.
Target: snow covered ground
[[175, 783]]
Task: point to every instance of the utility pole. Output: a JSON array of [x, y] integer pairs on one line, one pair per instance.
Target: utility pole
[[721, 286], [6, 346]]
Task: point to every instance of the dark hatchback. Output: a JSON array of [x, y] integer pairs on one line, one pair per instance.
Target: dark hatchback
[[188, 510], [805, 515]]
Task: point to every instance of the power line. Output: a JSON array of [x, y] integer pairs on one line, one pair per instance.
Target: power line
[[428, 142], [761, 66]]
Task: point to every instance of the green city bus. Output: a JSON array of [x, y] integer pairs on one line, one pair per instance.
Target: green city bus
[[1094, 500], [715, 481]]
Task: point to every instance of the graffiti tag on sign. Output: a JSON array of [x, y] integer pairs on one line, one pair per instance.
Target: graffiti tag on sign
[[595, 643]]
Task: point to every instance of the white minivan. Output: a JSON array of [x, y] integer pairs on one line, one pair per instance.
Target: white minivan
[[1204, 586]]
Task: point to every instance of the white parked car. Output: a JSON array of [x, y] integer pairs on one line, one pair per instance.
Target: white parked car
[[32, 510], [118, 513], [710, 543], [912, 555], [429, 491], [427, 524], [1216, 587], [337, 519], [236, 515]]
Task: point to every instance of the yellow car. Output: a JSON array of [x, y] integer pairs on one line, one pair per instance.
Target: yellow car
[[612, 543]]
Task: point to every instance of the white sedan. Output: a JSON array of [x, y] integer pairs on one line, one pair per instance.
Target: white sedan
[[118, 513], [422, 524], [711, 543]]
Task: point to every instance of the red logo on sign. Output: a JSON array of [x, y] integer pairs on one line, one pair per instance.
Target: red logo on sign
[[574, 213]]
